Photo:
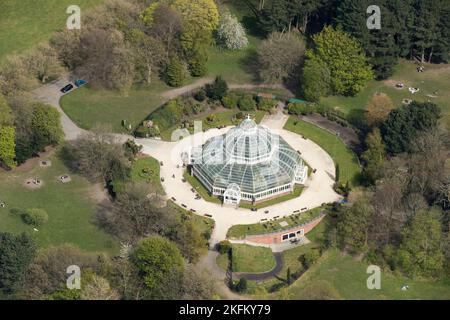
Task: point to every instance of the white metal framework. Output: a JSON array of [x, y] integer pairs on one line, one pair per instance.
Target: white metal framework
[[260, 163]]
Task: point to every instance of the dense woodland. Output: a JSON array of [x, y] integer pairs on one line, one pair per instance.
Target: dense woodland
[[399, 213]]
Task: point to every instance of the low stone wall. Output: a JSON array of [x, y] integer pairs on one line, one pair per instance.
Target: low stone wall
[[276, 237]]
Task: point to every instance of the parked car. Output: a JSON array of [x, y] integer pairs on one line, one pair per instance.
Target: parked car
[[67, 88], [254, 209], [80, 83]]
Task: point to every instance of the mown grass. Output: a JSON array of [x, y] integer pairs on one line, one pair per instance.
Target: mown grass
[[26, 23], [349, 168], [70, 207], [200, 189], [248, 259], [144, 170], [345, 277], [87, 106]]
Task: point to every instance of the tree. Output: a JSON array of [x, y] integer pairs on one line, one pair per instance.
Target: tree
[[379, 44], [198, 57], [279, 56], [311, 257], [315, 80], [197, 284], [159, 260], [374, 156], [343, 56], [149, 54], [135, 215], [106, 59], [200, 18], [378, 109], [167, 26], [98, 288], [218, 89], [241, 286], [353, 225], [230, 33], [44, 63], [35, 217], [7, 146], [16, 253], [46, 126], [405, 123], [175, 73], [47, 275], [420, 253], [97, 156]]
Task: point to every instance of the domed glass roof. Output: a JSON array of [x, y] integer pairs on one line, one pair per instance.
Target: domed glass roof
[[248, 155]]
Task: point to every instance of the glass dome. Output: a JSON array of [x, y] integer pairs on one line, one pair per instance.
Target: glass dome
[[248, 156]]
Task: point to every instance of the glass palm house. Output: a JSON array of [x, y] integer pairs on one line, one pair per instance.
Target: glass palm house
[[248, 163]]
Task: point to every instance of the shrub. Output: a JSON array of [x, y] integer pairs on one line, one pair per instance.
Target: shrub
[[197, 63], [200, 95], [175, 72], [298, 108], [247, 103], [241, 286], [266, 104], [35, 217], [218, 89], [144, 132], [224, 246], [230, 101], [311, 257]]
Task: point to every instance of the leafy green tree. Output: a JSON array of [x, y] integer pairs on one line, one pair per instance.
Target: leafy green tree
[[46, 126], [354, 224], [311, 257], [405, 123], [197, 60], [343, 56], [7, 146], [315, 80], [16, 253], [374, 156], [420, 252], [157, 258], [35, 217], [200, 18], [175, 73], [247, 103]]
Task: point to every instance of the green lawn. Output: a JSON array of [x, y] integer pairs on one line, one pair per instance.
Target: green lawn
[[70, 207], [26, 23], [87, 106], [248, 259], [348, 162], [144, 169], [200, 189], [239, 231], [435, 78], [345, 278]]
